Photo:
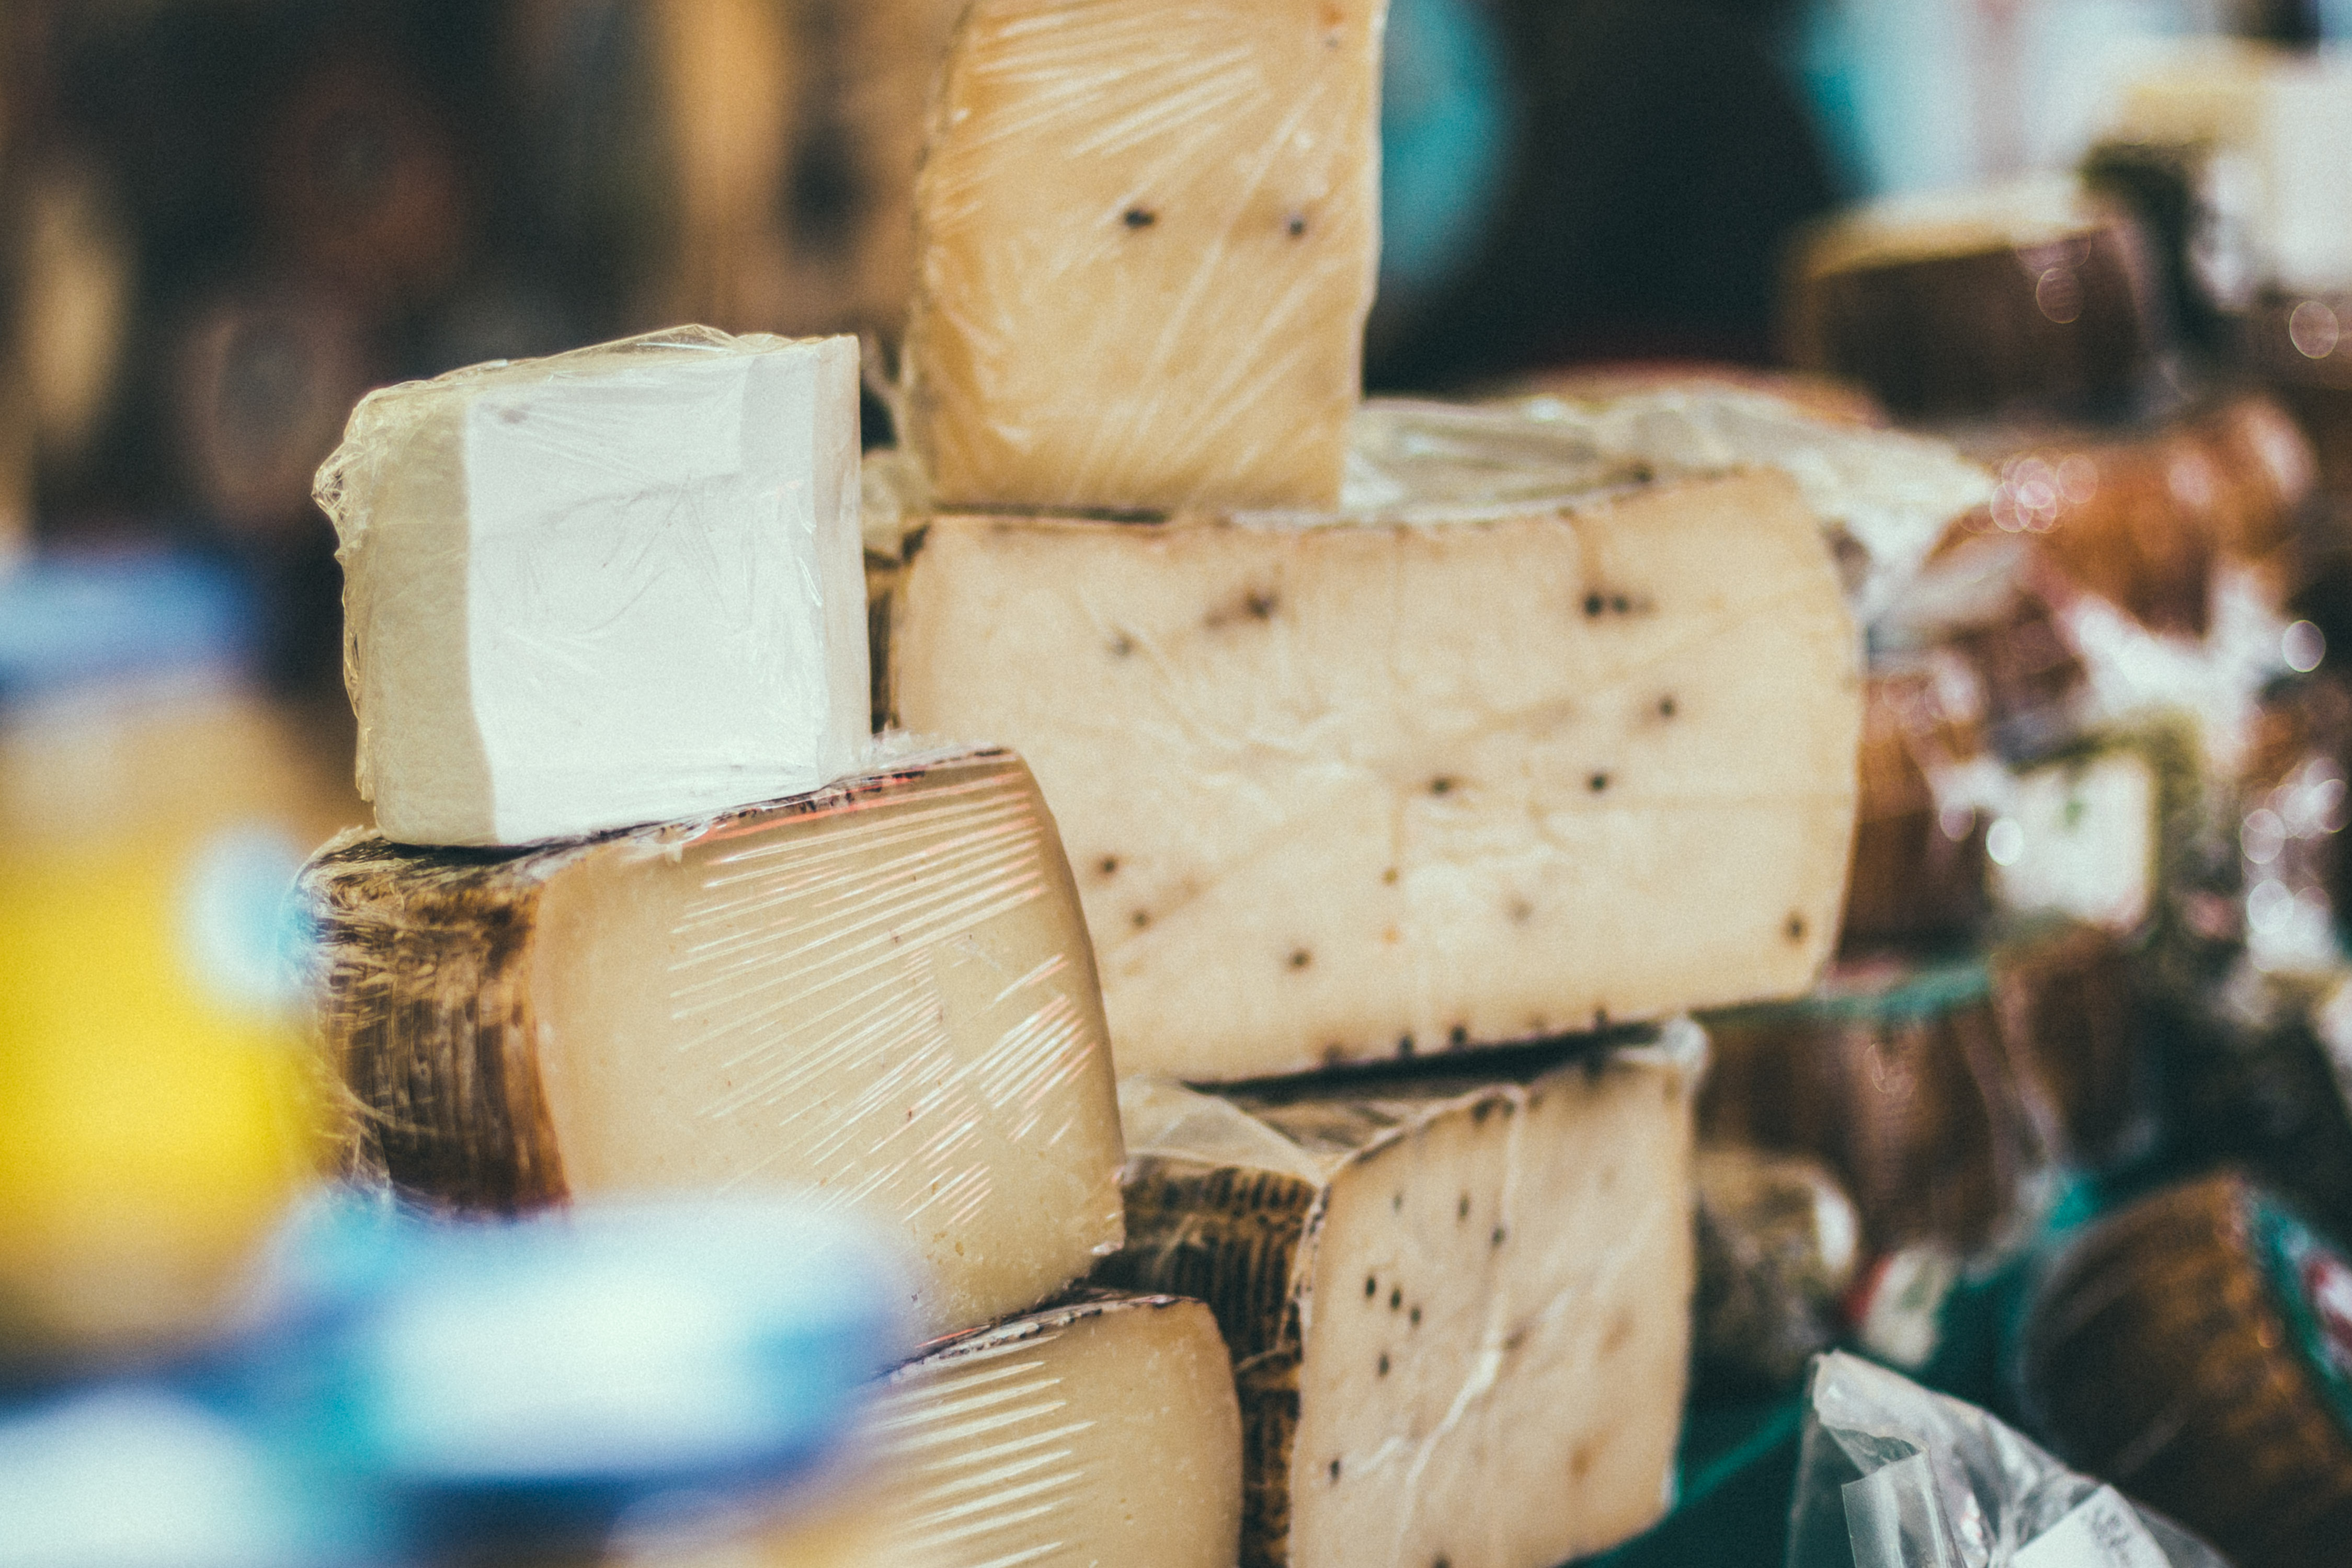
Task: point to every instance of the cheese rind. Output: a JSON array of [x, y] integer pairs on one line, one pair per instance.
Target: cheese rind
[[613, 587], [1436, 1293], [1147, 240], [1339, 790], [881, 991]]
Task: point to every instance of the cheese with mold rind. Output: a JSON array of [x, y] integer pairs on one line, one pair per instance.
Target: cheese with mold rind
[[1342, 787], [616, 586], [881, 991], [1437, 1291], [1147, 240]]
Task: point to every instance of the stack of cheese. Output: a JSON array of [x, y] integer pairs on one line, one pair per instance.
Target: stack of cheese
[[596, 605], [1374, 735]]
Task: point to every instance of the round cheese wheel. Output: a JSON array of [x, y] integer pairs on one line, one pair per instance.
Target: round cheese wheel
[[2034, 295], [2196, 1350]]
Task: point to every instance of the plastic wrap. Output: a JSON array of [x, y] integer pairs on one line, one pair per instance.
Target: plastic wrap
[[1898, 1074], [2196, 1348], [1395, 776], [1147, 241], [616, 586], [881, 990], [2035, 294], [1777, 1243], [1894, 1476], [1438, 1290]]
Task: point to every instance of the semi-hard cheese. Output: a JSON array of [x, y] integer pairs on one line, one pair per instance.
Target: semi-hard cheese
[[1438, 1292], [1367, 786], [880, 990], [613, 587], [1099, 1431], [1147, 237]]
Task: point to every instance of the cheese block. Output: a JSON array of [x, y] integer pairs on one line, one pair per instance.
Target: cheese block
[[1894, 1074], [880, 990], [2094, 831], [2280, 119], [1918, 861], [1972, 301], [1777, 1242], [2071, 1007], [616, 586], [1486, 766], [1147, 238], [2196, 1348], [1100, 1430], [1438, 1291], [2142, 514]]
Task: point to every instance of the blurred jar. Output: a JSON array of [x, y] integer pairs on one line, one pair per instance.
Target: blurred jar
[[155, 1107]]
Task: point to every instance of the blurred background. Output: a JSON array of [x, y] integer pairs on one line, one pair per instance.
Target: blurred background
[[223, 221]]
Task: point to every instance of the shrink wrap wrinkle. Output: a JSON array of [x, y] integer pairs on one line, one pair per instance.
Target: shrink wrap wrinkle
[[1437, 1289], [880, 990], [1146, 236], [616, 586]]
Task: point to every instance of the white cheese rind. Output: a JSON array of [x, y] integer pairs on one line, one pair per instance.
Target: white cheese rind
[[1356, 791], [617, 586], [1484, 1293], [881, 992], [1147, 240]]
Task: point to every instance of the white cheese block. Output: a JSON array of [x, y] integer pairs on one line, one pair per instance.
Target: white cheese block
[[1097, 1432], [2083, 835], [1362, 786], [1147, 239], [1439, 1294], [617, 586], [2279, 120], [881, 991]]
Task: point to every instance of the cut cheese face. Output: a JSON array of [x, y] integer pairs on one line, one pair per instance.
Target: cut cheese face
[[1101, 1430], [881, 991], [1437, 1293], [1147, 239], [1348, 790], [617, 586]]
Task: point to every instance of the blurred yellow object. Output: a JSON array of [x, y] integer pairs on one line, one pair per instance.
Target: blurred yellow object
[[157, 1106]]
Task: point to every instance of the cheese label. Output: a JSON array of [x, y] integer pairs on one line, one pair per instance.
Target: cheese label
[[2312, 1282], [2102, 1531]]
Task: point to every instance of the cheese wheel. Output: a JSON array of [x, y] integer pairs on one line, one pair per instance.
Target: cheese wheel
[[1437, 1291], [1973, 302], [1896, 1073], [881, 991], [1777, 1242], [2196, 1349], [2301, 344], [1919, 869]]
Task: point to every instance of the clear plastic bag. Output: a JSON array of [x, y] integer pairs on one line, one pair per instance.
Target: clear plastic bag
[[1892, 1474]]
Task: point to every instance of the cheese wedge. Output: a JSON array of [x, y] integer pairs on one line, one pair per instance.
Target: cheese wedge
[[1100, 1430], [1437, 1292], [1147, 238], [1408, 778], [881, 991], [617, 586]]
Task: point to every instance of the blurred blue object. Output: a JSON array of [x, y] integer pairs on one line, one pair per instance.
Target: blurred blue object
[[135, 1476], [70, 620], [541, 1377], [1445, 140]]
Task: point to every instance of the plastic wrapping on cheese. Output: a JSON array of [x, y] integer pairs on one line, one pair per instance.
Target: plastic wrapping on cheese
[[1408, 781], [613, 587], [1437, 1291], [2196, 1349], [1892, 1474], [1968, 302], [1100, 1429], [881, 990], [1147, 240]]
